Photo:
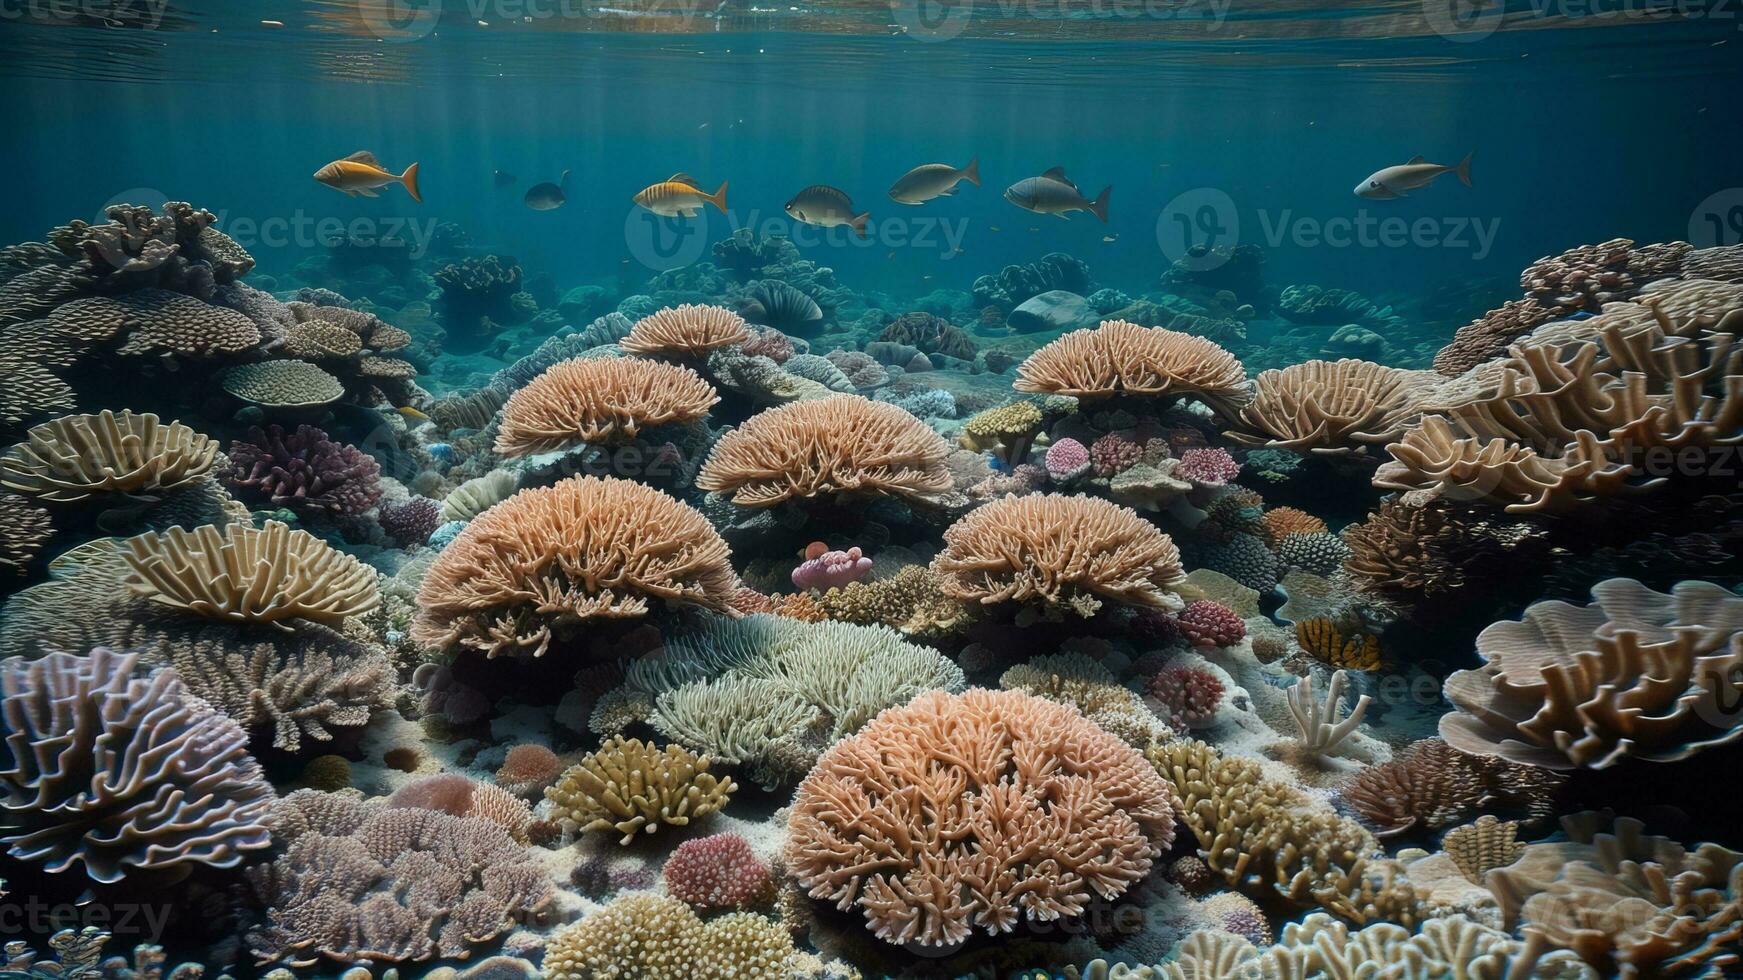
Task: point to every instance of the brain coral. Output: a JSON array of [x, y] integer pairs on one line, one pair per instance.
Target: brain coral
[[602, 399], [245, 575], [120, 770], [976, 810], [1636, 673], [1124, 358], [548, 558], [688, 329], [845, 444], [1059, 550], [359, 879], [77, 457]]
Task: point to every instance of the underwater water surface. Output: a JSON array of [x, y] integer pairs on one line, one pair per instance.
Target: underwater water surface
[[1060, 488]]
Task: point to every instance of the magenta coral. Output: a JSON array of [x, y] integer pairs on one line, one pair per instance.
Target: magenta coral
[[1190, 694], [1113, 453], [1067, 459], [832, 570], [411, 523], [305, 470], [1207, 467], [718, 872], [1211, 624]]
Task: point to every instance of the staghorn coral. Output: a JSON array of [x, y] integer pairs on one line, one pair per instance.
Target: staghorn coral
[[1425, 550], [1431, 785], [630, 787], [959, 812], [297, 690], [1123, 358], [1322, 638], [359, 880], [24, 529], [1636, 673], [768, 693], [651, 937], [77, 457], [1058, 550], [531, 568], [1331, 407], [717, 872], [305, 470], [841, 445], [244, 575], [686, 330], [600, 400], [122, 771]]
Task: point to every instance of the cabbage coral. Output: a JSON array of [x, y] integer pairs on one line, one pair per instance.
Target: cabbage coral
[[603, 399], [841, 445], [976, 811], [548, 558], [77, 457], [1058, 550], [1118, 358]]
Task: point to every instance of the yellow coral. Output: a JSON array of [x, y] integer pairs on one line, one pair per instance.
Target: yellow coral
[[1322, 638], [652, 937], [634, 787]]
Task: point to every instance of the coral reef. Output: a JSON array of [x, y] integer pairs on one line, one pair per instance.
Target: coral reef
[[600, 400], [630, 787]]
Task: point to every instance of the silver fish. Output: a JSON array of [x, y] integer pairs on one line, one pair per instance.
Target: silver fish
[[1054, 193], [1384, 185], [930, 180], [826, 207]]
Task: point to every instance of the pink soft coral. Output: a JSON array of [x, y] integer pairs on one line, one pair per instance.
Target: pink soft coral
[[1207, 467], [1067, 459], [832, 570]]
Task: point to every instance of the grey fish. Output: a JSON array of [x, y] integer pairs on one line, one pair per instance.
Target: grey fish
[[1054, 193], [826, 207], [930, 180], [547, 197], [502, 178], [1384, 185]]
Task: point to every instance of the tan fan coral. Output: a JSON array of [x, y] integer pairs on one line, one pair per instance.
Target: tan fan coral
[[77, 457], [549, 558], [244, 575], [976, 811], [605, 399], [632, 787], [841, 445], [1330, 406], [1124, 358], [689, 330], [1058, 550], [1637, 674]]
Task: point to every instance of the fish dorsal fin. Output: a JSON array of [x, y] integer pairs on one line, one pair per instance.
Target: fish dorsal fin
[[1058, 173], [1419, 158], [683, 178], [364, 156], [563, 181]]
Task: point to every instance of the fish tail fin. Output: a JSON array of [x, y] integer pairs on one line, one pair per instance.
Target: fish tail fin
[[858, 223], [1099, 206], [1464, 170], [410, 180], [718, 198], [971, 173]]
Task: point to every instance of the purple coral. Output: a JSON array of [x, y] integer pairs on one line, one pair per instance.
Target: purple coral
[[832, 570], [1207, 467], [1067, 459], [1114, 453], [305, 470], [411, 524]]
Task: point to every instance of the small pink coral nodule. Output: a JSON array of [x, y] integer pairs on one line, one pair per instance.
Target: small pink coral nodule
[[832, 569], [1211, 624], [1191, 694], [1208, 467], [718, 872], [1067, 459]]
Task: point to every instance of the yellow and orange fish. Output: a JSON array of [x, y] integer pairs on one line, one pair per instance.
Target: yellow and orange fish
[[680, 195], [361, 173]]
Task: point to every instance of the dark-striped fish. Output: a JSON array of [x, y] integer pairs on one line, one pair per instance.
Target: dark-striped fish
[[1054, 193], [930, 180], [680, 195], [826, 207]]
